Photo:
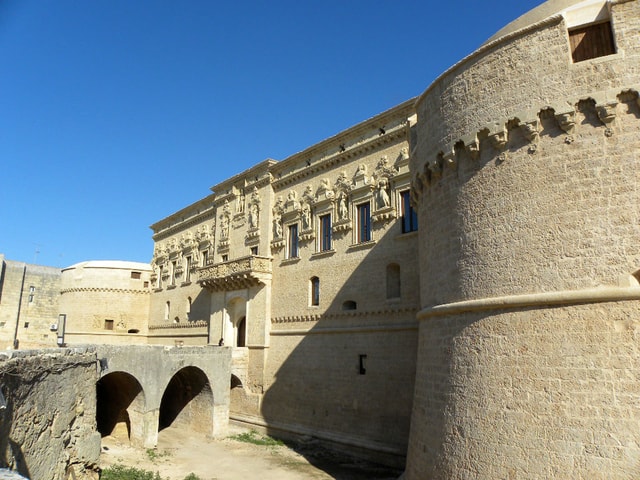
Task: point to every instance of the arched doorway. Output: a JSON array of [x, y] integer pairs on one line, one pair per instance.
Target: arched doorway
[[187, 402], [241, 335], [119, 406], [235, 330]]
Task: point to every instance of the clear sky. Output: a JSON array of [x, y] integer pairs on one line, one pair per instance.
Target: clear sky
[[116, 113]]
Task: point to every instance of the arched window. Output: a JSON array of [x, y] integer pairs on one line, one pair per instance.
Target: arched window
[[315, 291], [188, 308], [167, 310], [393, 280]]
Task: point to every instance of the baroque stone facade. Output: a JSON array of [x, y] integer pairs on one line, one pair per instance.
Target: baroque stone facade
[[306, 268]]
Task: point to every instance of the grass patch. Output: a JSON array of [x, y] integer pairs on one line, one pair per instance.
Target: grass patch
[[120, 472], [155, 455], [256, 439]]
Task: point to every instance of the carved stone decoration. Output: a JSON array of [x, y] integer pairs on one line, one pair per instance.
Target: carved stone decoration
[[382, 194], [360, 178], [607, 114], [499, 139], [473, 148], [254, 209], [566, 121], [404, 154], [435, 166], [342, 184], [224, 221], [324, 191], [450, 160], [277, 211], [531, 133], [343, 210], [292, 204], [305, 217], [240, 200]]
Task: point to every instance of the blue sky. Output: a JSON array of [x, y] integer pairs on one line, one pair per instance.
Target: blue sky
[[116, 113]]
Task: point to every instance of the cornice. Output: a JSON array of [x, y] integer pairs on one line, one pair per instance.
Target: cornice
[[109, 290], [201, 206], [337, 315], [396, 134], [181, 226]]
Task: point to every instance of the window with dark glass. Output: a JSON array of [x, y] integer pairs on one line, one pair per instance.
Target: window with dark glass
[[409, 215], [591, 41], [293, 241], [325, 233], [364, 222], [315, 291]]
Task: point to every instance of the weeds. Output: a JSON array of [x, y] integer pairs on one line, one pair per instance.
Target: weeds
[[256, 439], [120, 472]]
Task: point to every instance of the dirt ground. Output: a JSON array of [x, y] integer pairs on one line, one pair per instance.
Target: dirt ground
[[179, 453]]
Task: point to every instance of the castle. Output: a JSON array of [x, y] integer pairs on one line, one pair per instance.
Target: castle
[[452, 281]]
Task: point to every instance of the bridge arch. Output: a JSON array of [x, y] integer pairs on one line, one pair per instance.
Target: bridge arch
[[187, 401], [120, 406]]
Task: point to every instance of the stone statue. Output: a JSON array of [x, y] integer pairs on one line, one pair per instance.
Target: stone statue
[[306, 217], [277, 227], [343, 213], [382, 197], [254, 214]]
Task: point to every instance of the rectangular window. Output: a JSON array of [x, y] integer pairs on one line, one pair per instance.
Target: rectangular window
[[591, 41], [225, 258], [325, 233], [409, 215], [364, 222], [136, 275], [205, 257], [173, 273], [254, 250], [160, 273], [293, 241], [315, 291], [187, 265], [108, 324]]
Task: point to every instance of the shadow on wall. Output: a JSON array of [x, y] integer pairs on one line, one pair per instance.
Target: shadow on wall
[[11, 454], [187, 399], [116, 394], [350, 378]]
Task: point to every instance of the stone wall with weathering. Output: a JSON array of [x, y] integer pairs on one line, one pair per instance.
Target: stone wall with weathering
[[525, 172], [29, 298], [48, 427], [105, 302]]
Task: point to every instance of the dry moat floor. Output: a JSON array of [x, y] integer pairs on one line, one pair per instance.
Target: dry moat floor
[[179, 453]]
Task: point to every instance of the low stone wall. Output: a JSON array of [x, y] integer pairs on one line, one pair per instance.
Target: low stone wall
[[47, 418]]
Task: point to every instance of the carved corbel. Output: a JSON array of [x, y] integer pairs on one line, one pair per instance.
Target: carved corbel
[[607, 114], [567, 122], [531, 133], [435, 165], [499, 140], [473, 148], [450, 159]]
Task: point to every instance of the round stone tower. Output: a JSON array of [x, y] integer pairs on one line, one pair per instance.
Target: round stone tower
[[526, 174]]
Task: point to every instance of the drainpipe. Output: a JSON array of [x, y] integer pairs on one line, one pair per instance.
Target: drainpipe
[[15, 335]]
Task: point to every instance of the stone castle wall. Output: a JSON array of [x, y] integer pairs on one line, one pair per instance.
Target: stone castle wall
[[29, 295], [48, 428], [526, 171]]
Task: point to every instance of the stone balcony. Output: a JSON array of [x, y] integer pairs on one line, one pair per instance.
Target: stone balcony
[[235, 274]]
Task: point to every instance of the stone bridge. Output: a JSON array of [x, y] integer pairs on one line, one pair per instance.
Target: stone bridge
[[144, 389]]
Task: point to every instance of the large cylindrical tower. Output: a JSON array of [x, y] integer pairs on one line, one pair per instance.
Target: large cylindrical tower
[[526, 176]]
